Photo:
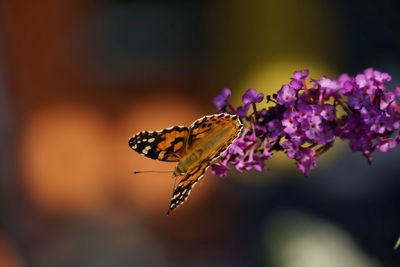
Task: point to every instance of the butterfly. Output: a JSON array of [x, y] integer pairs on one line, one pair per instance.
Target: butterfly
[[194, 147]]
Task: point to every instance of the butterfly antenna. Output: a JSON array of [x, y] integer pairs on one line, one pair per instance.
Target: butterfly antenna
[[138, 172]]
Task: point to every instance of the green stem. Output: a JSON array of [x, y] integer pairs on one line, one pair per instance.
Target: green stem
[[345, 108]]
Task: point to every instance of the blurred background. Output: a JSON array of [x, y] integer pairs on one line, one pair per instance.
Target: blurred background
[[79, 77]]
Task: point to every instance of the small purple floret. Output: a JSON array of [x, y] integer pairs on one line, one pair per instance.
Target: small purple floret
[[221, 101], [287, 96], [252, 97]]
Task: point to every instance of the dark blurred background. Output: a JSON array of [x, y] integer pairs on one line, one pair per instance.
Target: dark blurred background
[[79, 77]]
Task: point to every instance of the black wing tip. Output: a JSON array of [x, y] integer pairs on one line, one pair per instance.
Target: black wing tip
[[173, 206], [131, 141], [170, 210]]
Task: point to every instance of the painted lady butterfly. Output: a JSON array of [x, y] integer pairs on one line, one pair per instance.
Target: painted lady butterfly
[[194, 148]]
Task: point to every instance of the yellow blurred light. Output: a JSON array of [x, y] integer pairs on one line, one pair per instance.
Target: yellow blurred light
[[270, 76]]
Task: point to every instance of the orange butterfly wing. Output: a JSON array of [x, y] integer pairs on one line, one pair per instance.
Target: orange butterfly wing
[[185, 185], [202, 129], [164, 145], [200, 132]]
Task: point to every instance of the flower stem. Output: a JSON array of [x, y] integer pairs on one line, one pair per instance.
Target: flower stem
[[232, 108], [255, 111]]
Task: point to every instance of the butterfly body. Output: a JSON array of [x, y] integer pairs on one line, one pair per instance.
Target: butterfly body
[[194, 148]]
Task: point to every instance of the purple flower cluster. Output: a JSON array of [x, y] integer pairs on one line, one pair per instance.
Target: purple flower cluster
[[304, 122]]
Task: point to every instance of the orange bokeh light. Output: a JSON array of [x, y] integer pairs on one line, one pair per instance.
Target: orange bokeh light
[[63, 158]]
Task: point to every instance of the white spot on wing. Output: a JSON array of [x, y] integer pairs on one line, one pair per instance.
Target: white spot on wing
[[146, 150], [151, 140]]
